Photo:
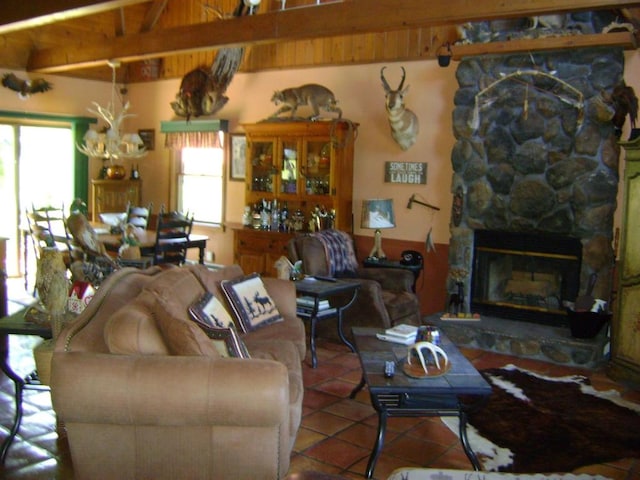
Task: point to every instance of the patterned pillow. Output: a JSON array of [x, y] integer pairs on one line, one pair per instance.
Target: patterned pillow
[[251, 304], [210, 311], [213, 318]]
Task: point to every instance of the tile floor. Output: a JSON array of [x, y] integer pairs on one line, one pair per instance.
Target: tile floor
[[336, 433]]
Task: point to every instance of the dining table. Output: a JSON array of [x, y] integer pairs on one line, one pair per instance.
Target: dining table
[[146, 239], [113, 241]]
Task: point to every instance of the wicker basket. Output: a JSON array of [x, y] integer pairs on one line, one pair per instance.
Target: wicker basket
[[43, 353]]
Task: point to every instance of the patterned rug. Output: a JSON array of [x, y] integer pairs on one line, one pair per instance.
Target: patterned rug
[[533, 423]]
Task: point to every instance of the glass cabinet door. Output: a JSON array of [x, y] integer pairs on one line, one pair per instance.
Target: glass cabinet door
[[262, 166], [290, 158], [317, 171]]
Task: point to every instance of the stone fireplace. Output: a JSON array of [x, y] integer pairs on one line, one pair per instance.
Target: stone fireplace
[[535, 155], [524, 276]]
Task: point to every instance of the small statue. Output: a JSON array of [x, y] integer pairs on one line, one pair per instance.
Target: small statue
[[311, 94]]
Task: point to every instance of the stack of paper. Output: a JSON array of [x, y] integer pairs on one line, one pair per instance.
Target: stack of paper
[[402, 333], [305, 307], [309, 302]]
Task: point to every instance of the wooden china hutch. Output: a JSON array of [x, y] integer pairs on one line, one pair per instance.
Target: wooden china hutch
[[303, 165]]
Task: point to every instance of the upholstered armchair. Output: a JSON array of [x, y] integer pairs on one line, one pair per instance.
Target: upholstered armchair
[[385, 297]]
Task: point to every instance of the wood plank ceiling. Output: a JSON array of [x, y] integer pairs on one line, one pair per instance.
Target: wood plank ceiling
[[163, 39]]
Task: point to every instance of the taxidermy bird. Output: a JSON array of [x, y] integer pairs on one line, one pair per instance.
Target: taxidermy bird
[[86, 237], [53, 286], [202, 90], [25, 87]]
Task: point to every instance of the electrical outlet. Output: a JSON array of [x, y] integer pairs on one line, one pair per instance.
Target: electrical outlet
[[208, 256]]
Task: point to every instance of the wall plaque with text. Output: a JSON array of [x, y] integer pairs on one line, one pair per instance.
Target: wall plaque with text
[[405, 172]]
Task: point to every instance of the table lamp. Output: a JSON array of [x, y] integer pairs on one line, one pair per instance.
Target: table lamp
[[377, 213]]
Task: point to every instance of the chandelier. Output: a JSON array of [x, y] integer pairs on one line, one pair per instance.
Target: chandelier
[[112, 144]]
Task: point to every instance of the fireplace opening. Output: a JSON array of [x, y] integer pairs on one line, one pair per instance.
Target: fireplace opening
[[525, 276]]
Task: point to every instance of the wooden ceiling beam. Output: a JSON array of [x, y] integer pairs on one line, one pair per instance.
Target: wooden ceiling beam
[[21, 14], [327, 20], [153, 15], [625, 40]]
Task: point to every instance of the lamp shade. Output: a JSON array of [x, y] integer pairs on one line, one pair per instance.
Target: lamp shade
[[378, 213]]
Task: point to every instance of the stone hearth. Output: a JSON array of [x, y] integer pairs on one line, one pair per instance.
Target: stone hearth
[[527, 340], [536, 153]]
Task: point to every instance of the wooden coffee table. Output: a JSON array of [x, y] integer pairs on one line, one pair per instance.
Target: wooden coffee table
[[404, 396]]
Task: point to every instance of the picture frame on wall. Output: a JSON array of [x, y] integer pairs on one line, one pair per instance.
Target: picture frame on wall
[[148, 137], [237, 157]]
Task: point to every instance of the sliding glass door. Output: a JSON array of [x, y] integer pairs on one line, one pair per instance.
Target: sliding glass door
[[36, 168]]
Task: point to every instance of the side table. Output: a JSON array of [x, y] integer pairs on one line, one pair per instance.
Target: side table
[[322, 289], [17, 325], [386, 263]]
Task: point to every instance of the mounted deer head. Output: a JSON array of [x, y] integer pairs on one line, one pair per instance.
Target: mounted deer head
[[403, 122]]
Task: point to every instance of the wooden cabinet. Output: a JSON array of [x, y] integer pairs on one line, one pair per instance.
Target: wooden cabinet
[[114, 195], [625, 329], [258, 250], [305, 164]]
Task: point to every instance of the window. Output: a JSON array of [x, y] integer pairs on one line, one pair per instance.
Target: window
[[201, 184]]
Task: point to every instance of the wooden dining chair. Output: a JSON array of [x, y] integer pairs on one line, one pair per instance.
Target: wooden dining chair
[[50, 224], [172, 236], [139, 216], [47, 229]]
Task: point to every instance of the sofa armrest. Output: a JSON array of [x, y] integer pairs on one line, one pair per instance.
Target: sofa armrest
[[283, 293], [169, 390], [392, 279]]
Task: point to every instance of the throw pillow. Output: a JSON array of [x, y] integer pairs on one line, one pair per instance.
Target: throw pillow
[[340, 252], [180, 333], [251, 304], [210, 311], [212, 317], [226, 341]]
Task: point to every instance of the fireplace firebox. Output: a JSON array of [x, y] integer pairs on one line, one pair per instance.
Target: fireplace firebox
[[525, 276]]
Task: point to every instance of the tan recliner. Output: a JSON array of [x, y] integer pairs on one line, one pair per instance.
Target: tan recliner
[[385, 297]]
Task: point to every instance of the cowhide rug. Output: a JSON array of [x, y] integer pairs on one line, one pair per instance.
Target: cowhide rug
[[534, 423]]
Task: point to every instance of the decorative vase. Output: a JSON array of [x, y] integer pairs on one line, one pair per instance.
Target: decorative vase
[[116, 172]]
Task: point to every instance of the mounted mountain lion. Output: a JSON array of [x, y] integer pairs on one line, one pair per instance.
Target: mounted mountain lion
[[316, 96]]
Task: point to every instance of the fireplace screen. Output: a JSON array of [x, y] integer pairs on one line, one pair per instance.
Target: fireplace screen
[[525, 276]]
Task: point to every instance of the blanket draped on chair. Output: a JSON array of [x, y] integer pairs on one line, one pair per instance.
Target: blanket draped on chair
[[339, 251]]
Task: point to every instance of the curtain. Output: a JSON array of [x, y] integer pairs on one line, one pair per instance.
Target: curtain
[[180, 140]]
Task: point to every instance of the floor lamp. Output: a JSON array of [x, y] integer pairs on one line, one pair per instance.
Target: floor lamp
[[377, 214]]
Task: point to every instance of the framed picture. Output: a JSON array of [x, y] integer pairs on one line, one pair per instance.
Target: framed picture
[[238, 155], [148, 138]]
